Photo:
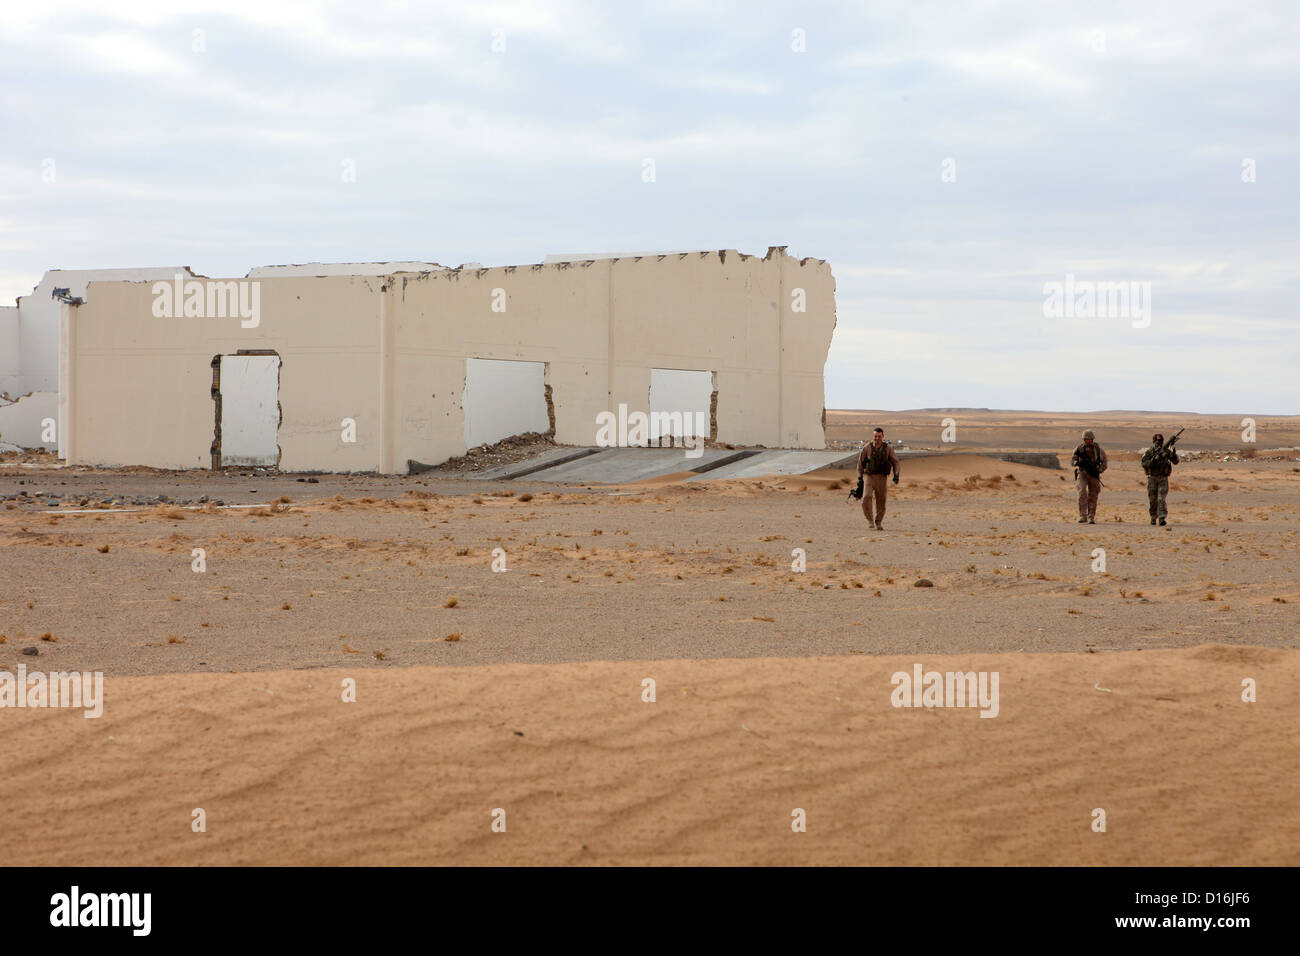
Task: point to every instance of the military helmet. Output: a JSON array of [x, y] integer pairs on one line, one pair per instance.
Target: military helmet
[[1158, 438], [1089, 434]]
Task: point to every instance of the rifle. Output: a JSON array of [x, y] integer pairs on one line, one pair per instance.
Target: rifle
[[1092, 471], [1167, 448], [856, 493], [1088, 468]]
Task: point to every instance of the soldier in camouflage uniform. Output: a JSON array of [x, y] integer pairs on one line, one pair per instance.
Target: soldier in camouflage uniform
[[1089, 462], [1158, 462]]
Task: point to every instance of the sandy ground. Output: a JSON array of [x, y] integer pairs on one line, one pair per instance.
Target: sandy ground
[[711, 772], [223, 688], [701, 570]]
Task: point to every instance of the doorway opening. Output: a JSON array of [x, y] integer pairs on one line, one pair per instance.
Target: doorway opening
[[246, 391], [505, 398]]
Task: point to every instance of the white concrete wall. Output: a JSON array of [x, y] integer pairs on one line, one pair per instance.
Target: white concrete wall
[[250, 410], [139, 388], [40, 316], [40, 352], [31, 351], [503, 399], [390, 352]]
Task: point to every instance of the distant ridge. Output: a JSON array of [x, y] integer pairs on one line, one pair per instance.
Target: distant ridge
[[1048, 411]]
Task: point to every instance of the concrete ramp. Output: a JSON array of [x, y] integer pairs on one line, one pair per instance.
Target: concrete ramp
[[776, 462], [538, 463], [617, 466]]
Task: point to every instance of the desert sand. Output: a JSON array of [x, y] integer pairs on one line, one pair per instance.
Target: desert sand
[[476, 689], [709, 773]]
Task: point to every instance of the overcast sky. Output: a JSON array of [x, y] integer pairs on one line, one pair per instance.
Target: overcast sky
[[1109, 141]]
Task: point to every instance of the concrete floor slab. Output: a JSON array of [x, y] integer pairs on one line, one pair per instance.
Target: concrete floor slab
[[614, 466], [775, 462], [530, 466]]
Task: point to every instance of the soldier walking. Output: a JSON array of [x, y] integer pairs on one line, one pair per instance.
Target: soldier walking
[[877, 459], [1158, 462], [1089, 462]]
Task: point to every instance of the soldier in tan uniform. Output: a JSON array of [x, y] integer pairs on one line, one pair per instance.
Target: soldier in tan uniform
[[1089, 462], [877, 459]]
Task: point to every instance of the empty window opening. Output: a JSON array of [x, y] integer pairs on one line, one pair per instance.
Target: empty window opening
[[246, 389], [682, 403], [505, 398]]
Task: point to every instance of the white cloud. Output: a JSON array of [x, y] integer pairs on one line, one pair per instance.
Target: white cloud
[[122, 52]]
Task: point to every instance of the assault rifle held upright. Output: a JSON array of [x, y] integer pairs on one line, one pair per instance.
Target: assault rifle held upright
[[1164, 451]]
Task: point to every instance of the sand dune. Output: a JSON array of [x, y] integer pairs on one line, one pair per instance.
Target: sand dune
[[709, 773]]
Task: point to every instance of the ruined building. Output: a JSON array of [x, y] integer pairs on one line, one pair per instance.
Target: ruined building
[[362, 368]]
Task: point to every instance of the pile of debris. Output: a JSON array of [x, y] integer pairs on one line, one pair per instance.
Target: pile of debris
[[505, 452], [1242, 454], [99, 499], [13, 455]]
